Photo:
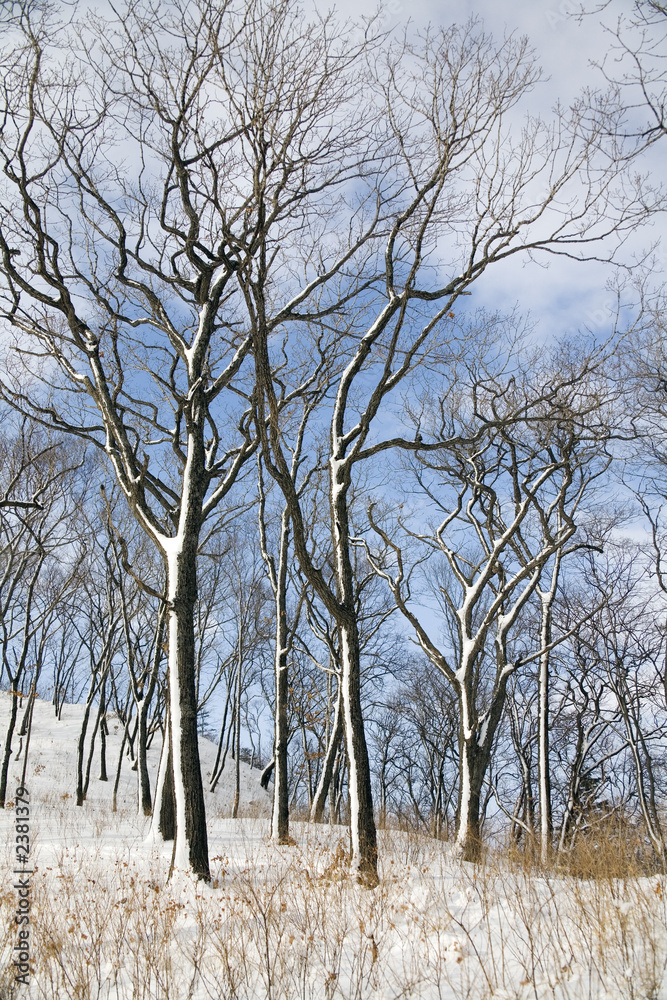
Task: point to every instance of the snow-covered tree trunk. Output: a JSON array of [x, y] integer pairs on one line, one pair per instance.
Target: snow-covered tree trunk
[[145, 802], [8, 747], [472, 766], [236, 740], [160, 782], [333, 746], [104, 732], [191, 847], [166, 821], [362, 820], [280, 822], [544, 772], [476, 738]]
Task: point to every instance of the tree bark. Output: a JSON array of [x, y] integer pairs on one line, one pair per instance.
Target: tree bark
[[104, 732], [324, 784], [476, 738], [280, 819], [167, 813], [145, 801], [8, 747], [362, 821], [91, 751], [547, 599], [237, 733], [119, 767], [191, 846]]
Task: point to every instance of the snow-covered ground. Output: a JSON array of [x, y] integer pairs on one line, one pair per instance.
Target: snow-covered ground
[[290, 922]]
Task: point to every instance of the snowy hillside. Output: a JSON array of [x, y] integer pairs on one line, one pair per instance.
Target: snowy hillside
[[290, 922], [52, 763]]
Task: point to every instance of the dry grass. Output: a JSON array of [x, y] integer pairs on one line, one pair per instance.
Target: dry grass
[[291, 924]]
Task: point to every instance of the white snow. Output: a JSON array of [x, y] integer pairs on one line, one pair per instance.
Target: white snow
[[291, 922]]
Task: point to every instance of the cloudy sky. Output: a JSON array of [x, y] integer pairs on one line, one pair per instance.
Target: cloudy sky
[[564, 297]]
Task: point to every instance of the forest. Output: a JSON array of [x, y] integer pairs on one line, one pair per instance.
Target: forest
[[273, 472]]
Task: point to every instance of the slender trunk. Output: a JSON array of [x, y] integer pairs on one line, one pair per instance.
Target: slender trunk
[[27, 722], [307, 762], [333, 745], [17, 680], [231, 733], [8, 743], [280, 819], [342, 605], [362, 821], [143, 694], [167, 821], [119, 767], [543, 769], [643, 765], [217, 768], [237, 736], [161, 783], [104, 732], [574, 786], [145, 802], [131, 737], [337, 787], [191, 842], [27, 714], [89, 761], [81, 746]]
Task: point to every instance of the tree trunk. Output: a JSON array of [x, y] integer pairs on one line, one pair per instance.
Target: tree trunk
[[337, 787], [89, 761], [643, 764], [27, 722], [231, 731], [8, 745], [237, 735], [217, 768], [472, 768], [145, 802], [547, 599], [147, 689], [362, 821], [544, 771], [322, 790], [167, 820], [81, 746], [104, 732], [191, 842], [119, 766], [475, 744], [280, 820]]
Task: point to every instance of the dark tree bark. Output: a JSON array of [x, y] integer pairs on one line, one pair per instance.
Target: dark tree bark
[[167, 822], [328, 766]]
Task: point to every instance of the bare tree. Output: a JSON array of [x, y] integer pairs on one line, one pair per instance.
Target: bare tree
[[626, 650], [447, 109], [40, 483], [183, 185], [510, 499]]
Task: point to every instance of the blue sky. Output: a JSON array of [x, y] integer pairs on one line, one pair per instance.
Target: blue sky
[[565, 296]]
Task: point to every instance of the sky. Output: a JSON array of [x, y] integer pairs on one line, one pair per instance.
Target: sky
[[565, 297]]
